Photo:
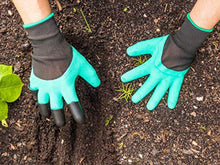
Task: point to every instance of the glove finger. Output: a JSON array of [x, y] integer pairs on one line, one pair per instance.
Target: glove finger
[[157, 95], [76, 111], [72, 100], [137, 72], [174, 93], [43, 108], [43, 103], [143, 47], [88, 73], [56, 101], [59, 117], [146, 88]]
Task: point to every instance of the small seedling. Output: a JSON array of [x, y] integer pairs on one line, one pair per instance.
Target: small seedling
[[124, 30], [126, 92], [121, 145], [10, 90], [74, 10], [203, 127], [108, 119], [125, 9], [140, 61], [214, 43], [87, 24]]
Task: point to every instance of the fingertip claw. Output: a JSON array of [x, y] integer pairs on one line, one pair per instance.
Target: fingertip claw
[[59, 117], [76, 112]]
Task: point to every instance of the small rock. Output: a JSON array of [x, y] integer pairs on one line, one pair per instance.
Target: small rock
[[15, 156], [195, 107], [145, 15], [155, 21], [62, 141], [140, 156], [193, 114], [25, 46], [17, 66], [29, 159], [154, 152], [194, 143], [157, 30], [129, 161], [5, 154], [10, 13], [25, 157], [188, 152], [19, 144], [115, 98], [3, 30], [199, 98]]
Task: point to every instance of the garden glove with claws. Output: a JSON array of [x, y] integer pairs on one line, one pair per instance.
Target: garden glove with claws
[[55, 67], [171, 58]]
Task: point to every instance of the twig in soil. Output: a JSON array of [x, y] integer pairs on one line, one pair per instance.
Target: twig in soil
[[58, 5], [126, 92], [88, 27]]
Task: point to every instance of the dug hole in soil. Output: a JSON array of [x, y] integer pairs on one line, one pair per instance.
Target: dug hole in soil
[[189, 134]]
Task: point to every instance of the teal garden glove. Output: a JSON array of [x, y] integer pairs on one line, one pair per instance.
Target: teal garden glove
[[171, 58], [55, 67]]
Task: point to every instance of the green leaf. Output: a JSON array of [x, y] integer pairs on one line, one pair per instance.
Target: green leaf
[[10, 87], [5, 70], [3, 110]]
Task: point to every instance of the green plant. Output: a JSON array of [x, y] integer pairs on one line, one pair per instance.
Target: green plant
[[126, 91], [74, 10], [10, 90], [125, 9], [140, 61], [87, 24], [121, 145], [108, 119]]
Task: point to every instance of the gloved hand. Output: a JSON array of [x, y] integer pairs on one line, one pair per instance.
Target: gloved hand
[[171, 58], [55, 66]]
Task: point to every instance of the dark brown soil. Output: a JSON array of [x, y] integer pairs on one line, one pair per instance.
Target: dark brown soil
[[189, 134]]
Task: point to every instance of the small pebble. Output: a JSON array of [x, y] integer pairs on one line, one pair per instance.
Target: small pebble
[[17, 66], [155, 21], [193, 114], [145, 15], [199, 98], [157, 30], [10, 13], [5, 154], [188, 152], [3, 30], [194, 143], [115, 98], [140, 156], [129, 161], [25, 46], [195, 107], [15, 156]]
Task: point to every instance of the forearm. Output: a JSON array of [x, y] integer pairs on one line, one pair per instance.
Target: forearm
[[206, 13], [32, 10]]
